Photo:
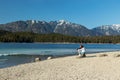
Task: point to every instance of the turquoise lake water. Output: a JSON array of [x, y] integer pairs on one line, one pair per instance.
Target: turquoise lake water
[[18, 53]]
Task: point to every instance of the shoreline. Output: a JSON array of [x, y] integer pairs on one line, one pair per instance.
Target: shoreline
[[57, 43], [92, 67], [25, 59]]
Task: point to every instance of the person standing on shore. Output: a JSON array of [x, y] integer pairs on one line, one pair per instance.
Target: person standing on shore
[[82, 51]]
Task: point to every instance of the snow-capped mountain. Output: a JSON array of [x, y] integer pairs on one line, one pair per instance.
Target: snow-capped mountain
[[108, 29], [61, 26], [68, 28]]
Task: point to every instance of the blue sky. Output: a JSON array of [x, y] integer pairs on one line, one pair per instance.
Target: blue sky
[[90, 13]]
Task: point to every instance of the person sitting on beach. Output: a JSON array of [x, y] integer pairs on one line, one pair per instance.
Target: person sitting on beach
[[82, 51]]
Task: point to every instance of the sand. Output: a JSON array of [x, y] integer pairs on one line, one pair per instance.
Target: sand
[[93, 67]]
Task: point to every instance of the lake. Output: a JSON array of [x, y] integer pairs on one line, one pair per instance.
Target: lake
[[18, 53]]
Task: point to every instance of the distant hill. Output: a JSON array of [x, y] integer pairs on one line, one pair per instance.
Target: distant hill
[[108, 29]]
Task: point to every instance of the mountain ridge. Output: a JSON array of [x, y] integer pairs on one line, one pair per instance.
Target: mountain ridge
[[61, 27]]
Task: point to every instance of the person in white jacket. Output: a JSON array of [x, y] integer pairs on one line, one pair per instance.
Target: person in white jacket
[[82, 51]]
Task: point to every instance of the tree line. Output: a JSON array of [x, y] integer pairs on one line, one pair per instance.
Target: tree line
[[29, 37]]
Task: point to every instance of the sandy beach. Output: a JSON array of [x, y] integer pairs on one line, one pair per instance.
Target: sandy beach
[[101, 66]]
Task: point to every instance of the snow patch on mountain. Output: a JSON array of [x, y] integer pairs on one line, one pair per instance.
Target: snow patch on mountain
[[61, 22], [34, 21]]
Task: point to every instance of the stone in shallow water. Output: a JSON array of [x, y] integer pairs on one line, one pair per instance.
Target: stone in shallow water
[[49, 58], [37, 59]]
